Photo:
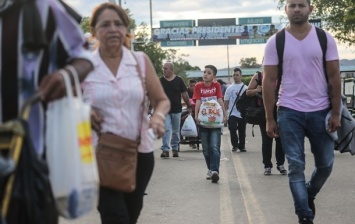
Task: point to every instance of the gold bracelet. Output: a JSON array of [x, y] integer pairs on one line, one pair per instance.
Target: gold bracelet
[[160, 115]]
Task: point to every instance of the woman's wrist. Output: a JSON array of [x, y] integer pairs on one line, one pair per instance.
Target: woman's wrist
[[159, 114]]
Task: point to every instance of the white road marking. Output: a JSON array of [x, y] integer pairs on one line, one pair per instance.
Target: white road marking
[[253, 209]]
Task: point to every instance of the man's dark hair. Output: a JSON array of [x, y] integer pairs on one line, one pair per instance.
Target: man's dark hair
[[308, 1], [221, 81], [192, 81], [237, 70], [214, 69]]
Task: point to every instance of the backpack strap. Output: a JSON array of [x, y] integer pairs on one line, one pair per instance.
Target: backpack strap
[[322, 37], [280, 47], [236, 99]]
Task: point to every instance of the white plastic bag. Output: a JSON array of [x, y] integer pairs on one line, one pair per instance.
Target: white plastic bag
[[211, 114], [70, 154], [189, 129]]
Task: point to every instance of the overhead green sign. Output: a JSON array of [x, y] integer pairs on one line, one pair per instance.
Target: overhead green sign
[[252, 41], [254, 20], [179, 43], [177, 23]]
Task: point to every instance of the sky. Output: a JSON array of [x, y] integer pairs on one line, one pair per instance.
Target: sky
[[204, 9]]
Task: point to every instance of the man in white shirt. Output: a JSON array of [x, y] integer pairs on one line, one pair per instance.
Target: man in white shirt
[[235, 120]]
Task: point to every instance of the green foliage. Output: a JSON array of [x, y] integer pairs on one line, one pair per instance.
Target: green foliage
[[249, 63], [85, 24], [156, 54], [246, 79], [181, 65], [338, 17]]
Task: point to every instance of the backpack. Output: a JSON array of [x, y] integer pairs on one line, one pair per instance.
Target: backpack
[[251, 108], [280, 46]]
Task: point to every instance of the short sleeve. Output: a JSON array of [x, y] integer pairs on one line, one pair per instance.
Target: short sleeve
[[270, 54], [332, 50], [227, 93]]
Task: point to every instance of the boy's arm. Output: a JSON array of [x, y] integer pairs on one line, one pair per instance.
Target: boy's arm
[[197, 110]]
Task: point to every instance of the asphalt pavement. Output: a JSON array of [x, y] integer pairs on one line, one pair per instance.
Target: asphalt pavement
[[179, 193]]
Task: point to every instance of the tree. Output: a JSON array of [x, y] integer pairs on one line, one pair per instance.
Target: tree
[[338, 17], [249, 63], [153, 50], [85, 24], [181, 65], [158, 55]]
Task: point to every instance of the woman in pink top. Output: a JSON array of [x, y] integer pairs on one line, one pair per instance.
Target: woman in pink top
[[115, 93]]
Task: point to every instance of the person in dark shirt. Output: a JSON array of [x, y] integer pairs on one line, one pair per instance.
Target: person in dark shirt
[[191, 87], [174, 88]]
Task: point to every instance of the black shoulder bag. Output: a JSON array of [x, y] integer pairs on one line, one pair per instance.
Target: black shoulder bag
[[236, 100]]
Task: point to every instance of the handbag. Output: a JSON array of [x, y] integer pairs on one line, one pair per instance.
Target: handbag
[[117, 162], [116, 156]]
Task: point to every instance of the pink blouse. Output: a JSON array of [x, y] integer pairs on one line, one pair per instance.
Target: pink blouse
[[119, 98]]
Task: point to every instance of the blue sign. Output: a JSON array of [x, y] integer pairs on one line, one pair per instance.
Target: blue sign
[[178, 43], [254, 20], [177, 23]]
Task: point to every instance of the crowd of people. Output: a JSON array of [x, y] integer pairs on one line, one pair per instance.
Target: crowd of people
[[109, 72]]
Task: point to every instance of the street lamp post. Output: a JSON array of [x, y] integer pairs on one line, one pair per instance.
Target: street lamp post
[[228, 63], [151, 20]]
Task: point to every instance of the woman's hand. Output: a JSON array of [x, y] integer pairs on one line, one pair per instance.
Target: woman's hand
[[157, 123], [96, 120]]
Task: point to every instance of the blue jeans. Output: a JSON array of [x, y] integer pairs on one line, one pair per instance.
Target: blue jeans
[[294, 126], [211, 144], [172, 128]]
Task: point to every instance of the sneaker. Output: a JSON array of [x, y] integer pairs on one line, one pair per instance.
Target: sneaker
[[234, 149], [282, 169], [209, 175], [311, 205], [175, 153], [242, 150], [214, 176], [267, 171], [305, 221], [164, 154]]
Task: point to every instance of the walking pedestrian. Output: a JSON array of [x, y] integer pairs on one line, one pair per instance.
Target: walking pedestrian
[[254, 88], [190, 91], [175, 88], [117, 107], [303, 103], [191, 87], [236, 123], [210, 137], [38, 38]]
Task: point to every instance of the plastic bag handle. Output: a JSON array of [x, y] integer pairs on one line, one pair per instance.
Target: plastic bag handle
[[76, 80], [67, 83]]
